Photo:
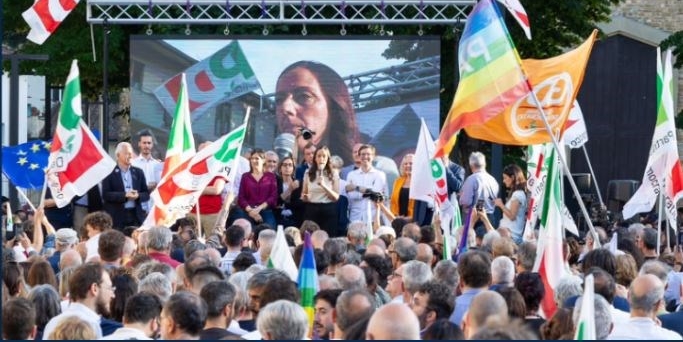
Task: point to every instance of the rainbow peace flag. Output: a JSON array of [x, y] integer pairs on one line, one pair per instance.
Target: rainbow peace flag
[[308, 280], [491, 76]]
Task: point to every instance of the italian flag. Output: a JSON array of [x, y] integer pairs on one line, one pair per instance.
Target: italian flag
[[180, 150], [549, 261], [663, 171], [179, 190], [77, 160], [585, 329]]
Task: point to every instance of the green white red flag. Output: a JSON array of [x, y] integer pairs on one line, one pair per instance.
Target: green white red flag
[[585, 329], [179, 190], [77, 160], [663, 170], [180, 140], [549, 259]]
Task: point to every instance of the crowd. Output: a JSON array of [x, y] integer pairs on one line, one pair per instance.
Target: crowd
[[89, 271]]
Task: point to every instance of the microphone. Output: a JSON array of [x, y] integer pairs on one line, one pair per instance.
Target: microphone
[[284, 144]]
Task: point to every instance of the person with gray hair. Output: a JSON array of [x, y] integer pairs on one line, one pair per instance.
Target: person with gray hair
[[568, 287], [402, 251], [425, 254], [124, 190], [351, 277], [415, 274], [486, 305], [283, 320], [502, 271], [645, 296], [45, 300], [65, 239], [479, 188], [656, 268], [352, 306], [526, 256], [603, 316], [266, 238], [446, 271], [158, 284], [647, 243], [159, 240], [70, 258], [393, 321], [356, 233]]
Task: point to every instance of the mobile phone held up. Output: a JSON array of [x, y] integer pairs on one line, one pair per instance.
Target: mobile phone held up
[[480, 205]]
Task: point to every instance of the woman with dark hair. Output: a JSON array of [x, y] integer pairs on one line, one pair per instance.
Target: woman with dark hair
[[287, 183], [125, 287], [312, 95], [320, 192], [514, 208], [46, 301], [257, 197], [530, 285]]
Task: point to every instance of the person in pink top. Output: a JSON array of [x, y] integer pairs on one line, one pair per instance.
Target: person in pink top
[[257, 197]]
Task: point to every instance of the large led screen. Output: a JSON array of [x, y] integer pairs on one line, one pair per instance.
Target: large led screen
[[344, 90]]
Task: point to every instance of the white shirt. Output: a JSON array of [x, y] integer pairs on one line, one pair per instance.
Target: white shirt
[[641, 328], [373, 179], [127, 334], [234, 328], [75, 309], [152, 169], [619, 317]]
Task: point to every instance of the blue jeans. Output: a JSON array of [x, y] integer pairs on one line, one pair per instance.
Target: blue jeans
[[266, 214]]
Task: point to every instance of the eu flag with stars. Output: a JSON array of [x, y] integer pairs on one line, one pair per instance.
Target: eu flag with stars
[[25, 164]]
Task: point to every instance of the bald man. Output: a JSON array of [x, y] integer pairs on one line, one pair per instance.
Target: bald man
[[351, 277], [485, 305], [352, 306], [645, 297], [393, 321], [425, 254]]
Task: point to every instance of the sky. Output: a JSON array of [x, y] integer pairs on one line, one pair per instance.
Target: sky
[[269, 57]]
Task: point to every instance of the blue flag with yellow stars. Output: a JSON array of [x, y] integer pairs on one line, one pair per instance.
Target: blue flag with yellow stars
[[25, 164]]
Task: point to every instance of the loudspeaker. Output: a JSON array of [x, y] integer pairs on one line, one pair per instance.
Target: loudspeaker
[[619, 191]]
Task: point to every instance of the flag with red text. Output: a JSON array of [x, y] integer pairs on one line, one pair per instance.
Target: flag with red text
[[77, 160]]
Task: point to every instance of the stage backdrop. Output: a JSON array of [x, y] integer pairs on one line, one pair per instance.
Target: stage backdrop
[[350, 94]]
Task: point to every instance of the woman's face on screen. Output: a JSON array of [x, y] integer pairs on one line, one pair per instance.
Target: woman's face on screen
[[300, 102]]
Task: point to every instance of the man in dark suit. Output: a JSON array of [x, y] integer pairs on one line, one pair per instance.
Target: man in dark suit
[[673, 321], [124, 190]]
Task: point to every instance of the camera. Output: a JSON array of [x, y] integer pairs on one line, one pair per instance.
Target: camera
[[306, 133], [374, 195], [480, 205]]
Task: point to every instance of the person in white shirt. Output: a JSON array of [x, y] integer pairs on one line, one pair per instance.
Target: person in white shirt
[[90, 289], [140, 318], [362, 181], [645, 297], [150, 166]]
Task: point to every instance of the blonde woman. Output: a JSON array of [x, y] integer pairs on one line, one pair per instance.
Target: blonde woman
[[401, 204], [320, 192]]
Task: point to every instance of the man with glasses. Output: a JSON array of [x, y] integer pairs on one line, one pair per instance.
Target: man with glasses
[[90, 291]]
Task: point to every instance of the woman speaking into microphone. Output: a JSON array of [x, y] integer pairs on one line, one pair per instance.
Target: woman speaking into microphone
[[320, 192]]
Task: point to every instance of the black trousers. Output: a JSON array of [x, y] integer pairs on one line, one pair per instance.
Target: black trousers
[[324, 214]]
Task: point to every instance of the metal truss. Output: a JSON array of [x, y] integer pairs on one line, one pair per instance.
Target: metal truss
[[265, 12]]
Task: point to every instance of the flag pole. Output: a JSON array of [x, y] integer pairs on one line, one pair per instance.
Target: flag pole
[[565, 167], [23, 195], [595, 181], [42, 195], [659, 218]]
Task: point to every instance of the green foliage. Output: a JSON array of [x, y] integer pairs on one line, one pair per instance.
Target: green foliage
[[675, 41]]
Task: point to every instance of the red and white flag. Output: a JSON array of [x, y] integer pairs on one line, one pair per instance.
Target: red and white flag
[[179, 190], [575, 134], [45, 16], [77, 160], [218, 78], [518, 12]]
